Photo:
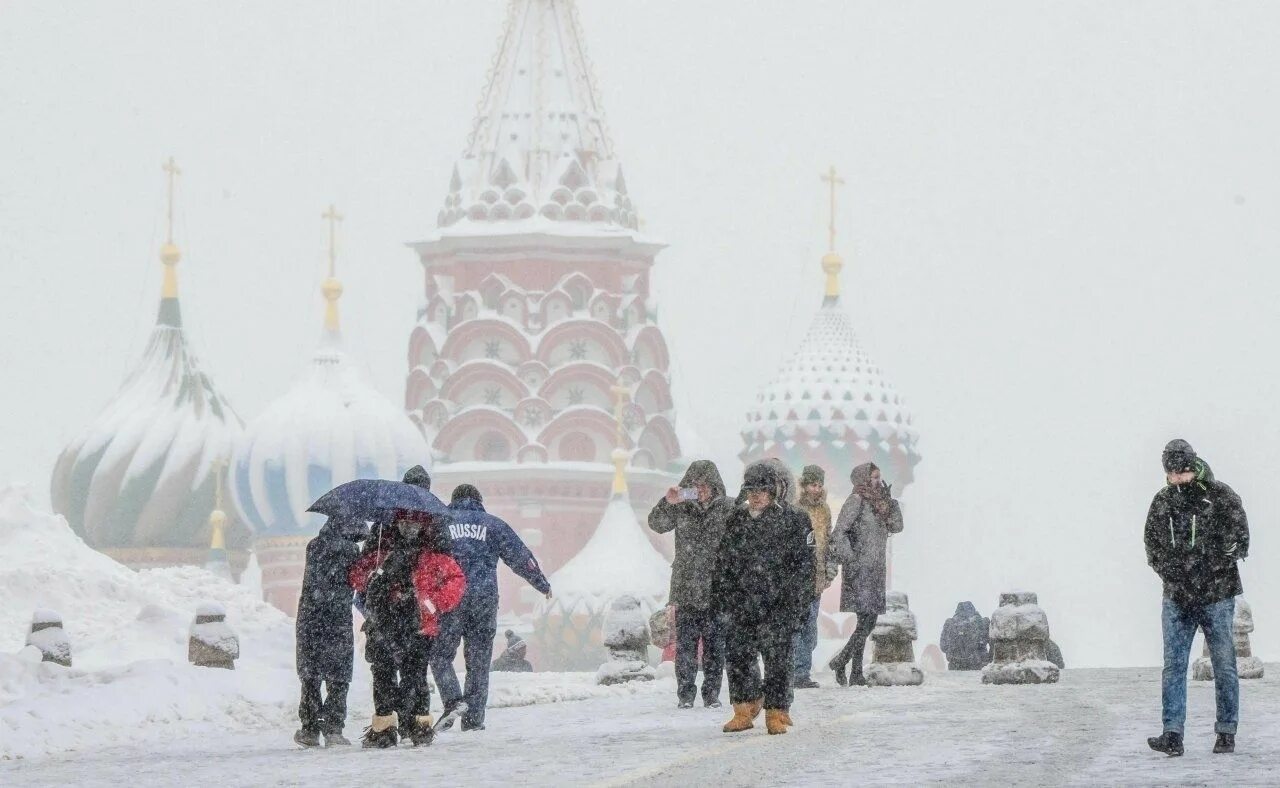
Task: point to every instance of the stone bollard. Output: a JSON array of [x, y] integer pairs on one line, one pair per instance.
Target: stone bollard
[[48, 635], [626, 635], [893, 659], [212, 643], [1247, 665], [1019, 636]]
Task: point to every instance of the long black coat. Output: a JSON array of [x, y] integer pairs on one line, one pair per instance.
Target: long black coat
[[699, 530], [764, 573], [1194, 535], [965, 639], [325, 643]]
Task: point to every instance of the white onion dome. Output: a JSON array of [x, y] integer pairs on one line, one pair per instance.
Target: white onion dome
[[142, 475]]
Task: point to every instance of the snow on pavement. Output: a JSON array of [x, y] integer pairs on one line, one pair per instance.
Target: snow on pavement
[[1089, 729]]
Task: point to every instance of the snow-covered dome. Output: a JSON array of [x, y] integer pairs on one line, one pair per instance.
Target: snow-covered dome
[[831, 404], [139, 482], [330, 428]]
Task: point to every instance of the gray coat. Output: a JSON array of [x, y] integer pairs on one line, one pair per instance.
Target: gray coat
[[859, 542], [699, 530]]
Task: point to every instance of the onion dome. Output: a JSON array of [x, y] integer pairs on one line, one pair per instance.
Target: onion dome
[[330, 428], [140, 481], [830, 404]]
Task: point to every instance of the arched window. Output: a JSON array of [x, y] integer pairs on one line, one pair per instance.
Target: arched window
[[577, 447], [493, 448]]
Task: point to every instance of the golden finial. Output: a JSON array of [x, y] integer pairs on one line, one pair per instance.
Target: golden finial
[[331, 287], [169, 253], [218, 518], [831, 261], [620, 455]]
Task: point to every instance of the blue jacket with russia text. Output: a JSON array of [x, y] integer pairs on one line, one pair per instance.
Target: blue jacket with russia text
[[479, 540]]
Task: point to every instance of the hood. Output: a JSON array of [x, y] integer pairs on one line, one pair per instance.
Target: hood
[[786, 481], [345, 528], [966, 610], [704, 472], [861, 475]]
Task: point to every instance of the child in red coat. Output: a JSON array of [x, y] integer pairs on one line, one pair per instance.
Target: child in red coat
[[407, 579]]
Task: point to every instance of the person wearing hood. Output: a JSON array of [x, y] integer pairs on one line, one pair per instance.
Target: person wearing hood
[[479, 540], [512, 660], [965, 639], [408, 580], [324, 639], [697, 511], [762, 585], [1196, 531], [813, 502], [861, 539]]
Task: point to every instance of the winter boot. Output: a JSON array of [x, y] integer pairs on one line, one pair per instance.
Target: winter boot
[[684, 704], [447, 717], [838, 667], [774, 721], [1169, 743], [804, 682], [742, 718], [382, 733], [856, 679], [336, 739], [472, 726], [1226, 743], [307, 738], [712, 703], [786, 718], [421, 731]]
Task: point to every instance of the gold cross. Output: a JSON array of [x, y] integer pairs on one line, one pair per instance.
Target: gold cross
[[833, 180], [333, 217], [172, 170]]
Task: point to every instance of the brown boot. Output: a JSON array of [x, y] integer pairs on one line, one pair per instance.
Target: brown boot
[[756, 705], [786, 718], [775, 721], [742, 717]]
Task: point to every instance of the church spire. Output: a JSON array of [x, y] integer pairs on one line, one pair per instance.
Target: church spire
[[332, 287], [832, 263], [620, 455], [170, 314], [217, 559]]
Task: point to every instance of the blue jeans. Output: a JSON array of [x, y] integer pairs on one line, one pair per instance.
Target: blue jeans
[[803, 644], [1179, 624], [472, 624], [694, 627]]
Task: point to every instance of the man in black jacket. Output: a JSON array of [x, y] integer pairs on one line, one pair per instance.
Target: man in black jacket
[[763, 585], [697, 511], [1196, 531]]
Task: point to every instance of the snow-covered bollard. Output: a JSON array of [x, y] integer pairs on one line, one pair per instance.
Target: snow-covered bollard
[[893, 660], [1247, 665], [48, 635], [212, 643], [1019, 636], [626, 635]]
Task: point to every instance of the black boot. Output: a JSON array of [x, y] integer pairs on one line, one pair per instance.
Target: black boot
[[839, 668], [804, 682], [383, 733], [857, 680], [1226, 743], [307, 738], [421, 731], [1169, 743], [336, 739], [447, 717]]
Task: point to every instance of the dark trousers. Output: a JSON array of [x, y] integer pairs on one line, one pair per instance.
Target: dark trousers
[[771, 643], [852, 651], [694, 627], [329, 714], [400, 670], [473, 624]]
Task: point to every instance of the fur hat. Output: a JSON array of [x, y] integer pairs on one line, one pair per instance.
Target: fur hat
[[813, 474]]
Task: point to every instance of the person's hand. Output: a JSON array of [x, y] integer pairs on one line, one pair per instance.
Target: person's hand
[[673, 496], [547, 595]]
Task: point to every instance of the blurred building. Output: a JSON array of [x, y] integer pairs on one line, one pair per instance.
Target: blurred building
[[537, 304], [142, 482]]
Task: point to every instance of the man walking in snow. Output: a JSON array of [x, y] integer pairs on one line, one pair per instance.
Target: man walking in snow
[[763, 585], [479, 540], [1196, 532], [813, 502], [697, 511]]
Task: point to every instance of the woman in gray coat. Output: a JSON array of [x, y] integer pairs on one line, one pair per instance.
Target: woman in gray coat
[[859, 542]]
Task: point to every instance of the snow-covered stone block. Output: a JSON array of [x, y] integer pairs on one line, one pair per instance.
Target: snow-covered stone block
[[893, 662], [211, 642], [626, 635], [1247, 665], [48, 635], [1019, 637]]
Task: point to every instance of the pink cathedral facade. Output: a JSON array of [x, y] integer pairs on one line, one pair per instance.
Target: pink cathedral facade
[[537, 318]]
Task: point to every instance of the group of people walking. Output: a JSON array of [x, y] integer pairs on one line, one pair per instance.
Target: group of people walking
[[425, 588], [748, 573]]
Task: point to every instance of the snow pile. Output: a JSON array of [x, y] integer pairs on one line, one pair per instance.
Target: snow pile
[[626, 635]]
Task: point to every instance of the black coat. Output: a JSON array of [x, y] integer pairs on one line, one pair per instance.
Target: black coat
[[1194, 535], [965, 639], [325, 643], [764, 572], [699, 530]]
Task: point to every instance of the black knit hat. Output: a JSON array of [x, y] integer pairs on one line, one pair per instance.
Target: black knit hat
[[417, 475], [464, 492], [813, 474], [1178, 456], [759, 476]]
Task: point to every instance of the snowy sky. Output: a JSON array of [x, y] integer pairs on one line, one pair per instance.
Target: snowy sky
[[1059, 223]]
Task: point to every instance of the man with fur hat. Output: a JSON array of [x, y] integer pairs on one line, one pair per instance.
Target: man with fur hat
[[763, 585], [697, 511], [1196, 531], [813, 502]]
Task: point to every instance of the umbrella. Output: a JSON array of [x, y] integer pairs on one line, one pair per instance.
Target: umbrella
[[376, 499]]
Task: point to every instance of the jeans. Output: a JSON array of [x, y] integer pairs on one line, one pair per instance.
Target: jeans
[[327, 715], [803, 644], [473, 624], [692, 627], [771, 643], [853, 650], [1178, 625]]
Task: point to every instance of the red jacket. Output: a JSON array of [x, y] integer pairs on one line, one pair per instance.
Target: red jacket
[[437, 580]]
